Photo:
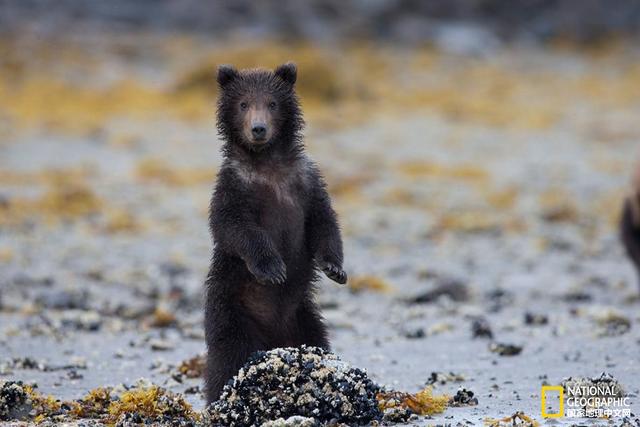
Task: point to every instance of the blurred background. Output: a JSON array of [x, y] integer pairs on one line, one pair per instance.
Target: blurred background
[[477, 152]]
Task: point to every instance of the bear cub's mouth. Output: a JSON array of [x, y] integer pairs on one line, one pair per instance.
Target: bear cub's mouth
[[258, 144]]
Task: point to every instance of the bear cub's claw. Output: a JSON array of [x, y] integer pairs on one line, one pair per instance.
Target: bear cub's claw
[[270, 270], [335, 273]]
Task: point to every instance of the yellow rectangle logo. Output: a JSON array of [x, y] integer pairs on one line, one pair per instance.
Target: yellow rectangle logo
[[543, 401]]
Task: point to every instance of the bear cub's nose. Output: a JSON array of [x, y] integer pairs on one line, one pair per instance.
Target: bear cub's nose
[[259, 131]]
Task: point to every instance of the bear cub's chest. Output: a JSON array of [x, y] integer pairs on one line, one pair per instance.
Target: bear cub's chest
[[279, 193]]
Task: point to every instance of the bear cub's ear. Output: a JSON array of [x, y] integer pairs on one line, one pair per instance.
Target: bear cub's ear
[[287, 72], [226, 74]]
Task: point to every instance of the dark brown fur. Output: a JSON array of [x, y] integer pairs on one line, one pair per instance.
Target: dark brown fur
[[272, 225]]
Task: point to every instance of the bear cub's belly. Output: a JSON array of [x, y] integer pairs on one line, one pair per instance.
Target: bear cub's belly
[[275, 306], [282, 217]]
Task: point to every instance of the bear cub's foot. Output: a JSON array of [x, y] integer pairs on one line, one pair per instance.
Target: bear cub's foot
[[269, 270], [334, 272]]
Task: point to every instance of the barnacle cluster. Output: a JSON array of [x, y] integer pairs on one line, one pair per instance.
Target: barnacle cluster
[[304, 381], [21, 401], [14, 400]]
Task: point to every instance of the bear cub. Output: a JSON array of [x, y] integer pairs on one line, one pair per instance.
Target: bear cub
[[272, 225]]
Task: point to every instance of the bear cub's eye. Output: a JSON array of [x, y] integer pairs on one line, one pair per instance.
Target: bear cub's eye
[[272, 105], [244, 105]]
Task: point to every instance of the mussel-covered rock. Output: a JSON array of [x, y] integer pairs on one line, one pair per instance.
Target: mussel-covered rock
[[286, 382]]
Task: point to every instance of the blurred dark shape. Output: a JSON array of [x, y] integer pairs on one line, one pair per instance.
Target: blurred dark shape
[[464, 397], [173, 269], [452, 288], [480, 328], [612, 324], [630, 230], [503, 349], [395, 20], [576, 296], [416, 333], [25, 280], [63, 299], [442, 378], [498, 298], [535, 319]]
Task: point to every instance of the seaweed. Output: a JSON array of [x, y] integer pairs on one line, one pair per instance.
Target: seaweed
[[194, 367], [94, 405], [368, 283], [420, 403], [151, 404], [143, 403]]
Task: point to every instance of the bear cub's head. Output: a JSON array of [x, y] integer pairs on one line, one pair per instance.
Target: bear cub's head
[[257, 108]]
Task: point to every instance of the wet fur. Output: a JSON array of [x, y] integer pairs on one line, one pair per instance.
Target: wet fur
[[273, 227]]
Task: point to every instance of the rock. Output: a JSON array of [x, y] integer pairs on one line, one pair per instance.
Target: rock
[[463, 397], [161, 345], [25, 280], [72, 374], [577, 296], [25, 363], [305, 381], [498, 299], [535, 319], [82, 320], [455, 289], [505, 349], [396, 414], [444, 378], [480, 328], [593, 391], [15, 403], [192, 390], [63, 299], [416, 333], [611, 324]]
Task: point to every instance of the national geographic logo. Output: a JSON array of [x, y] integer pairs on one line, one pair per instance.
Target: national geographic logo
[[583, 401], [552, 389]]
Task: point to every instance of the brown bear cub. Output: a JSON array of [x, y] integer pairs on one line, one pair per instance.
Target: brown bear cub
[[630, 223], [272, 225]]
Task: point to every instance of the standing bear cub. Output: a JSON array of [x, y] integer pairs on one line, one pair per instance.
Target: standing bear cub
[[272, 225]]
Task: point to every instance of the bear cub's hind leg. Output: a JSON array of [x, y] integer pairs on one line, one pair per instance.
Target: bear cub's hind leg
[[229, 345], [311, 328]]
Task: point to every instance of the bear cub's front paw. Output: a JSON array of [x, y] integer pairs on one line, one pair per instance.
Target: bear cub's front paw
[[334, 272], [269, 270]]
